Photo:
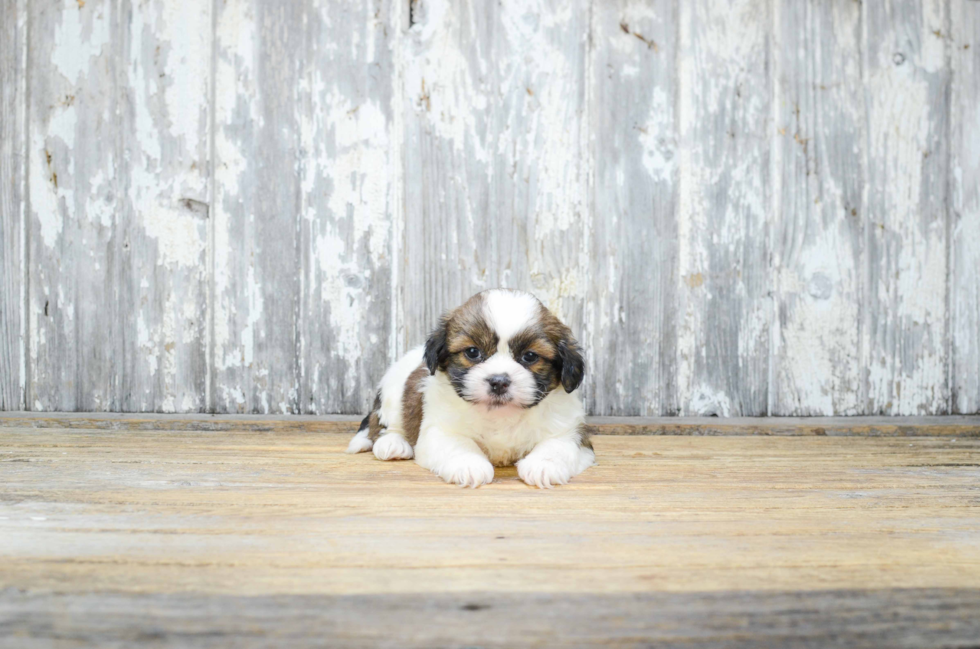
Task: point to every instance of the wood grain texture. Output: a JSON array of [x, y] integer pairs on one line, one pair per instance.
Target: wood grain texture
[[905, 617], [881, 426], [741, 209], [495, 157], [906, 77], [817, 243], [633, 282], [723, 206], [13, 171], [303, 204], [118, 186], [246, 523], [964, 178]]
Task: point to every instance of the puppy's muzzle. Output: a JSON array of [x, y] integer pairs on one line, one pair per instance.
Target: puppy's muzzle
[[499, 383]]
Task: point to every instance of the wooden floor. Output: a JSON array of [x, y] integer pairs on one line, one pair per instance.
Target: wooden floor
[[265, 539]]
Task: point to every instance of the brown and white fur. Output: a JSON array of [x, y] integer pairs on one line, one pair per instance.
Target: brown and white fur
[[493, 386]]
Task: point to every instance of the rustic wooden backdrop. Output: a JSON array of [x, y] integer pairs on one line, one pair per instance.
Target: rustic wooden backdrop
[[743, 208]]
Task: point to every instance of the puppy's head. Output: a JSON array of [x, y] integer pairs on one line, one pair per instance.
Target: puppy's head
[[503, 348]]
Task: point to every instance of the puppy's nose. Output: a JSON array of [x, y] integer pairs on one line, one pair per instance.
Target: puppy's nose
[[499, 383]]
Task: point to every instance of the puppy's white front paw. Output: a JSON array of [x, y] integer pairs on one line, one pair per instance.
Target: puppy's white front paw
[[468, 470], [392, 446], [543, 472]]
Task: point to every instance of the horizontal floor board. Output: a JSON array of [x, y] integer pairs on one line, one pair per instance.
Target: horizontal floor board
[[275, 537], [844, 618], [962, 426]]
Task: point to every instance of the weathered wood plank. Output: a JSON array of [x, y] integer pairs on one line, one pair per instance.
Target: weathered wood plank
[[904, 338], [818, 231], [163, 215], [118, 186], [75, 187], [724, 126], [302, 205], [901, 617], [633, 283], [495, 150], [881, 426], [964, 178], [253, 514], [13, 161]]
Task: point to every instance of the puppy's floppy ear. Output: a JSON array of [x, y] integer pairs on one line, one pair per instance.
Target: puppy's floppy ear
[[572, 365], [435, 347]]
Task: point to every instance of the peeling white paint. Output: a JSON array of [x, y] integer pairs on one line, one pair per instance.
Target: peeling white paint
[[503, 115], [178, 234], [905, 341], [657, 136], [79, 32]]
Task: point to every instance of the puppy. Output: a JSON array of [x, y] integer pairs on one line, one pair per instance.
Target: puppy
[[493, 386]]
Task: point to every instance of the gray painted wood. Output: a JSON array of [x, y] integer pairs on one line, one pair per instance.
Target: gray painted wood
[[633, 283], [817, 235], [724, 124], [741, 209], [964, 178], [118, 187], [905, 148], [13, 161], [495, 157], [303, 200], [75, 181]]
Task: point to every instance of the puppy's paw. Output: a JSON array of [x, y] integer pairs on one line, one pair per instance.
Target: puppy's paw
[[392, 446], [359, 443], [467, 471], [543, 472]]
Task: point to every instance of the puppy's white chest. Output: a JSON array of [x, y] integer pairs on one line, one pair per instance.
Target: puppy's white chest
[[505, 441]]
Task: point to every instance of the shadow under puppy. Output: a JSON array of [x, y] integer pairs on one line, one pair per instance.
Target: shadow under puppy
[[493, 386]]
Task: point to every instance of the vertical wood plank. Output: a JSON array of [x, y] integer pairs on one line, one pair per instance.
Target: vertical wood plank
[[118, 185], [723, 184], [496, 158], [74, 189], [906, 77], [633, 285], [13, 160], [257, 263], [302, 202], [965, 206], [818, 234], [163, 228], [348, 165]]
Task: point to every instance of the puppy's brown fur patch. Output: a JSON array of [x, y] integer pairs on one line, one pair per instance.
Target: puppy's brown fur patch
[[374, 419], [467, 327], [412, 406]]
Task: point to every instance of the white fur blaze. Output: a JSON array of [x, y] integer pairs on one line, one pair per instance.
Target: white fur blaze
[[360, 443], [392, 446]]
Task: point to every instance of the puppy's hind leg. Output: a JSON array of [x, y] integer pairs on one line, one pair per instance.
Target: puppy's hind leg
[[361, 442], [369, 430]]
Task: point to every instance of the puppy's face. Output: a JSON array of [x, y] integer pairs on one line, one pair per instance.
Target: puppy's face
[[504, 349]]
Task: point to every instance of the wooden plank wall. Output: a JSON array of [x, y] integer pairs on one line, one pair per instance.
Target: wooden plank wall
[[741, 208], [13, 153]]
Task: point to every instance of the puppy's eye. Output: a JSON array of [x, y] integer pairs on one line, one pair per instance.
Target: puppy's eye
[[472, 353], [529, 357]]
